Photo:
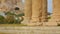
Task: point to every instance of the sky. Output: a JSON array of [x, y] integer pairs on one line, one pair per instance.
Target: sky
[[49, 5]]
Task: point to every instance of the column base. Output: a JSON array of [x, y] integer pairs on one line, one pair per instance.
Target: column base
[[32, 23], [35, 24], [26, 20], [50, 24]]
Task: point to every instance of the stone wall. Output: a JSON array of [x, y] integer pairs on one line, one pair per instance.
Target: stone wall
[[8, 5]]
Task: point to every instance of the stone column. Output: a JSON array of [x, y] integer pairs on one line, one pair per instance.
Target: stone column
[[44, 11], [27, 11], [56, 11], [55, 19], [36, 10]]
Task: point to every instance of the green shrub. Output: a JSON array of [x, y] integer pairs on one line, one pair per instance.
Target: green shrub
[[11, 18], [1, 19], [49, 17]]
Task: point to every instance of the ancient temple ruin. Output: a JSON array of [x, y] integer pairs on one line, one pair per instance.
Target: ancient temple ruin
[[36, 11]]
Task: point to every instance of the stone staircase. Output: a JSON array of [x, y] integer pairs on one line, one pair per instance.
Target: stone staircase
[[30, 30]]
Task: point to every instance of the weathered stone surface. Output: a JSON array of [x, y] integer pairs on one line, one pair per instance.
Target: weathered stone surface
[[55, 19], [44, 11], [8, 5], [50, 24], [36, 9], [56, 11], [30, 30], [27, 11]]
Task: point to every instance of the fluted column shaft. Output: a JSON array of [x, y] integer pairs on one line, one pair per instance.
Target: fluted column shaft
[[55, 18], [27, 11], [44, 11], [56, 11], [36, 9]]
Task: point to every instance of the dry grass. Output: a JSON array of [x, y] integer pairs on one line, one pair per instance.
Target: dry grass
[[12, 25], [4, 33]]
